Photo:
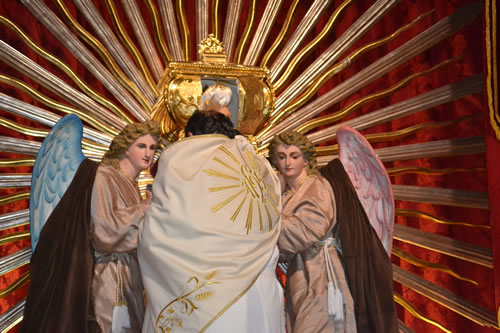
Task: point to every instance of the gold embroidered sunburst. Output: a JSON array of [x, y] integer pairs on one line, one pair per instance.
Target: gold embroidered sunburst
[[246, 186]]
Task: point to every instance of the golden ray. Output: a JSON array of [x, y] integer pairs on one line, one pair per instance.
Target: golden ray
[[19, 283], [266, 173], [222, 204], [216, 159], [427, 216], [222, 188], [321, 121], [273, 196], [405, 304], [275, 209], [158, 35], [237, 211], [14, 162], [218, 174], [316, 84], [250, 159], [430, 172], [228, 153], [181, 14], [261, 225], [14, 197], [57, 106], [310, 47], [42, 133], [246, 33], [133, 51], [402, 133], [215, 19], [14, 237], [492, 76], [426, 264], [281, 35], [248, 225], [63, 67], [395, 135], [104, 54], [269, 219]]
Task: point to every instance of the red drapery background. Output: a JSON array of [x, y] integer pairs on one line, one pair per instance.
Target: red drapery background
[[469, 42]]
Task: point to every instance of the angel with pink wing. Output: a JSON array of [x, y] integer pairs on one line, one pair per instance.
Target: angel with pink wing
[[339, 275]]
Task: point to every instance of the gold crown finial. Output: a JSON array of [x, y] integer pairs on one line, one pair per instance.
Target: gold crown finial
[[212, 50]]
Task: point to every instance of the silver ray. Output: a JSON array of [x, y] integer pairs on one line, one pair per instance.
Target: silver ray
[[27, 147], [303, 29], [68, 39], [36, 72], [445, 297], [12, 316], [14, 260], [113, 45], [231, 27], [14, 219], [432, 149], [431, 36], [446, 245], [44, 117], [402, 109], [441, 196], [19, 146], [11, 180], [141, 32], [262, 32], [357, 30], [169, 19], [201, 22]]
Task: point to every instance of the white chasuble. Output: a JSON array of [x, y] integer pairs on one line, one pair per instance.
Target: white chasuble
[[209, 233]]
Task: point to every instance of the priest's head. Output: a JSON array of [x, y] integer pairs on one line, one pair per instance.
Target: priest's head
[[209, 122]]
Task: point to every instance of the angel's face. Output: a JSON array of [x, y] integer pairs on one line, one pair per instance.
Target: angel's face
[[141, 152], [290, 162]]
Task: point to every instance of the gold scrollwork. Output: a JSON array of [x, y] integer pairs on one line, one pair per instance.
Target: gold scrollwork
[[212, 50], [173, 314]]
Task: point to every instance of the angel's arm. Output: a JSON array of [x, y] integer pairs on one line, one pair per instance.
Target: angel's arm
[[310, 220], [114, 226]]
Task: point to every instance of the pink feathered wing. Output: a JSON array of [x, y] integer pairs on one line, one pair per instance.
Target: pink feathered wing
[[371, 181]]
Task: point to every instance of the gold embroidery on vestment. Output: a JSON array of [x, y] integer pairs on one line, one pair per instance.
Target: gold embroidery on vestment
[[257, 190], [173, 314]]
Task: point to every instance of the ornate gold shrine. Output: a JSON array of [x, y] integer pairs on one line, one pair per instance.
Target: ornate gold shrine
[[183, 83]]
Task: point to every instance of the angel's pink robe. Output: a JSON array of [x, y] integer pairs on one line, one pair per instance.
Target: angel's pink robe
[[116, 211], [308, 216]]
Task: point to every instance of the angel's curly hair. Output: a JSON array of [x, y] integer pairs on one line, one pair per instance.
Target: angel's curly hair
[[302, 142], [127, 137]]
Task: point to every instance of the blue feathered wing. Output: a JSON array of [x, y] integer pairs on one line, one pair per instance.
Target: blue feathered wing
[[54, 169]]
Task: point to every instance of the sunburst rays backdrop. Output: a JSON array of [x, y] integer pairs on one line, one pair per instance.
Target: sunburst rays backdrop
[[417, 78]]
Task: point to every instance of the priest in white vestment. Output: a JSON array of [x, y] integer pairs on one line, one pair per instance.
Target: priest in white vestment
[[207, 247]]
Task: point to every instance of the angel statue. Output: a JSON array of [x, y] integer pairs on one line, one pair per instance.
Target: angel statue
[[85, 218], [339, 276]]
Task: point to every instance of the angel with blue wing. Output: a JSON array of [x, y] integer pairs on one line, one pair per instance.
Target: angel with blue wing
[[339, 276], [84, 220]]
